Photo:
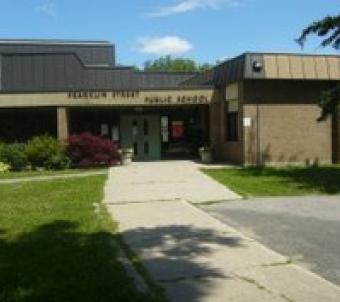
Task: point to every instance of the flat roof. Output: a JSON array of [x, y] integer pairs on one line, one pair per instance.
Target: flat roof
[[53, 42]]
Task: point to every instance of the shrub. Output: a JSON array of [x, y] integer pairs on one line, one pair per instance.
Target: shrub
[[87, 150], [58, 161], [4, 168], [47, 152], [14, 155]]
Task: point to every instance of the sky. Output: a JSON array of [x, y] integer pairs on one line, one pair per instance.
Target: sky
[[203, 30]]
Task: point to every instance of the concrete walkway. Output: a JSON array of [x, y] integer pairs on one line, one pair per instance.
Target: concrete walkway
[[165, 180], [195, 257]]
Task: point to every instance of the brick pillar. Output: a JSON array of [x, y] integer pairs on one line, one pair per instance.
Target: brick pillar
[[62, 123]]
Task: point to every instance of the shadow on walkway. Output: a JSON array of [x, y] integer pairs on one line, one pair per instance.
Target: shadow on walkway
[[182, 254]]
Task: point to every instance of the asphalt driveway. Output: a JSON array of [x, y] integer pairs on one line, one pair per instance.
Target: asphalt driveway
[[306, 229]]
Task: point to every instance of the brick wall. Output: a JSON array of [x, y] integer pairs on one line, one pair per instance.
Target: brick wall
[[284, 123], [287, 134]]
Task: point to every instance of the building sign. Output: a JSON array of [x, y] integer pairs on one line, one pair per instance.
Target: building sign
[[102, 94], [137, 98], [185, 99], [147, 97]]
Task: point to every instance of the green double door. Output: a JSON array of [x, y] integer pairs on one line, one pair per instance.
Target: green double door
[[142, 133]]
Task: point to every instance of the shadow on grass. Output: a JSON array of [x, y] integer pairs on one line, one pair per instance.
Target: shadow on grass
[[180, 258], [55, 262], [323, 179]]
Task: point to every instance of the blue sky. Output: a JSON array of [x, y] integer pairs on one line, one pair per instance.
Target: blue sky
[[205, 30]]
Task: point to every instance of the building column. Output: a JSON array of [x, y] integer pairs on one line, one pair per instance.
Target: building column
[[62, 123]]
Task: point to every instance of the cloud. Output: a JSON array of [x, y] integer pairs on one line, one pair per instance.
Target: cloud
[[168, 45], [184, 6], [48, 8]]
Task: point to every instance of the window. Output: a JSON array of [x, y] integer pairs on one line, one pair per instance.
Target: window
[[146, 127], [135, 149], [146, 148], [231, 120], [134, 128], [232, 126]]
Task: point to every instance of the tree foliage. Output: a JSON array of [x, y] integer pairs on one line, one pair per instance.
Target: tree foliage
[[330, 102], [167, 63], [329, 29]]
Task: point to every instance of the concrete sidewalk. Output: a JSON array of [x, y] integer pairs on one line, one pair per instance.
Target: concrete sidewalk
[[197, 258], [165, 180]]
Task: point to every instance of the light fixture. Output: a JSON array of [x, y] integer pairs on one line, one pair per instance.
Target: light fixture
[[257, 66]]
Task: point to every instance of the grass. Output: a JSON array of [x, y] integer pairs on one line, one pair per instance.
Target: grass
[[55, 244], [11, 175], [275, 181]]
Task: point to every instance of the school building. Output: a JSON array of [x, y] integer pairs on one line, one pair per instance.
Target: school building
[[255, 108]]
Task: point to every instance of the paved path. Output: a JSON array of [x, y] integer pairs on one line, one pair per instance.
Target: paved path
[[166, 180], [51, 177], [197, 258], [307, 229]]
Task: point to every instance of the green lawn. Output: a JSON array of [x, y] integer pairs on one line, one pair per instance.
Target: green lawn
[[55, 244], [10, 175], [285, 181]]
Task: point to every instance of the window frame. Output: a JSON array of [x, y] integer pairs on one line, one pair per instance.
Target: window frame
[[231, 122]]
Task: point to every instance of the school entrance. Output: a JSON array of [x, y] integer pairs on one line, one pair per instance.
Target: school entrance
[[142, 133], [154, 133]]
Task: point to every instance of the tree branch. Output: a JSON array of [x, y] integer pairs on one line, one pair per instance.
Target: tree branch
[[327, 26]]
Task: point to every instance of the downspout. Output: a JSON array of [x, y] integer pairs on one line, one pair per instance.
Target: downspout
[[0, 71], [258, 137]]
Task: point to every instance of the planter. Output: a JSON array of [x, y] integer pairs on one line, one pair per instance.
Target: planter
[[206, 155], [126, 156]]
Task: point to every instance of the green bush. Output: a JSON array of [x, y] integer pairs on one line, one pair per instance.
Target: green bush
[[47, 152], [14, 155], [4, 168], [58, 162]]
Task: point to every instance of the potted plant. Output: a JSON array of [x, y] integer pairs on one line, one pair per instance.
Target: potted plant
[[205, 153], [126, 155]]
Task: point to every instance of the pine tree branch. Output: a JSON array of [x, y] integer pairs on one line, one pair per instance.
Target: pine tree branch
[[328, 26]]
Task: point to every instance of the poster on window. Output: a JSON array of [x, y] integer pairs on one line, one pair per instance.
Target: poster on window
[[104, 131], [177, 129], [115, 133]]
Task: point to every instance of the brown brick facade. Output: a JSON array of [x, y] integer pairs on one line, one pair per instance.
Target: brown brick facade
[[287, 134], [284, 126]]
